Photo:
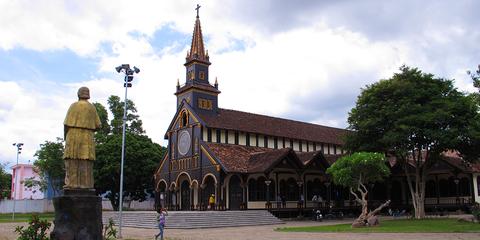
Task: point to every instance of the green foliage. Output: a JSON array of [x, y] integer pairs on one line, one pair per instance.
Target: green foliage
[[36, 230], [5, 181], [50, 165], [133, 125], [141, 155], [413, 111], [359, 168], [109, 231], [141, 158]]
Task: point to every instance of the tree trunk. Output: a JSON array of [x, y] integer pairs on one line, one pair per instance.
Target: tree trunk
[[362, 219]]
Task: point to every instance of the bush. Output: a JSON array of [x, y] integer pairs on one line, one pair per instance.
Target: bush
[[36, 230]]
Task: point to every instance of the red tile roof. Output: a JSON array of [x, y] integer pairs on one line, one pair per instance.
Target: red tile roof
[[272, 126], [246, 159]]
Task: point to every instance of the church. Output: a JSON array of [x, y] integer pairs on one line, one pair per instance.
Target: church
[[242, 160]]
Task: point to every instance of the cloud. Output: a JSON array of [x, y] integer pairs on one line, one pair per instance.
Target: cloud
[[304, 60]]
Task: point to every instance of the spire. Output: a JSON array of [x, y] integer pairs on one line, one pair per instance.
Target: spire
[[197, 50]]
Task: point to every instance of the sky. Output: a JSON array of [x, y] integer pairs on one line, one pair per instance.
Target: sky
[[305, 60]]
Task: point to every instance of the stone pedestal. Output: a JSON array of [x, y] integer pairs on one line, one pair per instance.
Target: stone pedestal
[[78, 216]]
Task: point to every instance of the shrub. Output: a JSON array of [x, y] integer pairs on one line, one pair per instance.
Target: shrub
[[36, 230]]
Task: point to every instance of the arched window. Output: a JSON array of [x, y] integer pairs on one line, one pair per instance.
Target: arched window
[[252, 190], [292, 190], [184, 119], [261, 189]]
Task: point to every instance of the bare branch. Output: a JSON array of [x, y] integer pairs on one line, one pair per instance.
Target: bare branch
[[356, 196], [378, 209]]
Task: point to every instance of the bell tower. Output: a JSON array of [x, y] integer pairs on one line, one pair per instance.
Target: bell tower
[[197, 90]]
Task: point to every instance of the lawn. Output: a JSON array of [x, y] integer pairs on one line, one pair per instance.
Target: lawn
[[24, 217], [440, 225]]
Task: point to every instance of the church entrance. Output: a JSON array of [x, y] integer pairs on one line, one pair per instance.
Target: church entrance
[[185, 195], [235, 193]]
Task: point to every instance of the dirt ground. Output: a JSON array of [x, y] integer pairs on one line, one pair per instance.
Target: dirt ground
[[262, 233]]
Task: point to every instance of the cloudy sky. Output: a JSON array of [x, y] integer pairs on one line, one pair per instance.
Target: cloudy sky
[[305, 59]]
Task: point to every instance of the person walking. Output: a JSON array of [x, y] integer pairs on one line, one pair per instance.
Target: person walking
[[161, 214]]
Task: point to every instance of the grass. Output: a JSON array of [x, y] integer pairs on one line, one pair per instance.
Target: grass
[[24, 217], [441, 225]]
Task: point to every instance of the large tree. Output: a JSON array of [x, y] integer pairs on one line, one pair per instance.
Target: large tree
[[141, 154], [141, 158], [416, 117], [355, 172], [50, 166]]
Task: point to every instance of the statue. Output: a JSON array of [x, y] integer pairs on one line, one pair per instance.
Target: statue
[[79, 127], [78, 213]]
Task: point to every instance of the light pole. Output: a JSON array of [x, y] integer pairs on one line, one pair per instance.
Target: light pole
[[126, 84], [15, 185]]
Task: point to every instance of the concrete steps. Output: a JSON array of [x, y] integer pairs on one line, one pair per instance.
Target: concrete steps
[[195, 219]]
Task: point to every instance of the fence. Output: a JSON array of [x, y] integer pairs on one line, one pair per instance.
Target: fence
[[45, 205]]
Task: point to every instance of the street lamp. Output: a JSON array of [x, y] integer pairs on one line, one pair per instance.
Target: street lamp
[[268, 182], [125, 68], [15, 185]]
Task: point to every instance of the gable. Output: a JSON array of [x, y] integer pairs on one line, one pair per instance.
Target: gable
[[192, 117]]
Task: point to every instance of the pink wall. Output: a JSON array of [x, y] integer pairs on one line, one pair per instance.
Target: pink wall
[[24, 171]]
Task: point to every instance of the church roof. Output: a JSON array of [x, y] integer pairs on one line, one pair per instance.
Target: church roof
[[197, 50], [272, 126], [247, 159]]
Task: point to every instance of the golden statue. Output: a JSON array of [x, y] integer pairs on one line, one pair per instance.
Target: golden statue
[[79, 127]]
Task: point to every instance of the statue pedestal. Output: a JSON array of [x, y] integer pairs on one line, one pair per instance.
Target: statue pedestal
[[78, 216]]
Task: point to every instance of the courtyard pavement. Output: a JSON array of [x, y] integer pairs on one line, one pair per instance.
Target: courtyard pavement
[[262, 233]]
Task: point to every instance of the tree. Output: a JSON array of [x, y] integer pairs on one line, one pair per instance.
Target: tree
[[133, 125], [415, 117], [50, 166], [5, 181], [141, 158], [141, 154], [355, 172]]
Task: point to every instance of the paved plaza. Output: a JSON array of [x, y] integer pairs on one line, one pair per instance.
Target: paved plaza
[[263, 233]]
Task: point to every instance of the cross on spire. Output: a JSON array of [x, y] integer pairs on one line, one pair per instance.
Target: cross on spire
[[197, 8]]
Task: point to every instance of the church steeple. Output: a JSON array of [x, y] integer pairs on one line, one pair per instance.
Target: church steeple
[[197, 49], [197, 90]]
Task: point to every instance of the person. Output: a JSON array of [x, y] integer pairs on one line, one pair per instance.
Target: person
[[284, 201], [80, 125], [302, 200], [211, 202], [161, 220]]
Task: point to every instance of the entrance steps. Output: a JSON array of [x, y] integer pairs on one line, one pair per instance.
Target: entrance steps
[[195, 219]]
